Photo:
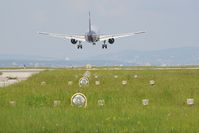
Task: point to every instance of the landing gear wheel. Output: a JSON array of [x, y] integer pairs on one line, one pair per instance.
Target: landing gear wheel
[[79, 46], [104, 46]]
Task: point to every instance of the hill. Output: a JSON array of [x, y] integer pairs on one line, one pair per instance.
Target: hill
[[165, 57]]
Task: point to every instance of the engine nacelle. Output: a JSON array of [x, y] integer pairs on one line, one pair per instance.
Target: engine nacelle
[[73, 41], [111, 41]]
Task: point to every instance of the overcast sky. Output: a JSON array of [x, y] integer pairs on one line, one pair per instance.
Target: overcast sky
[[168, 23]]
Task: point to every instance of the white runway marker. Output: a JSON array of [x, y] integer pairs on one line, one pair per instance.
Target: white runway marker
[[152, 82], [97, 82], [101, 102], [135, 76], [190, 101], [124, 82], [12, 103], [145, 102], [43, 83], [70, 83], [56, 103]]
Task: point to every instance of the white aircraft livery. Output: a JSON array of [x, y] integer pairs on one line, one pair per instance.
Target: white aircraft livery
[[91, 37]]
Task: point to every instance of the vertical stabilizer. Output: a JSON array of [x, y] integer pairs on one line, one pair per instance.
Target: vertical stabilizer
[[89, 22]]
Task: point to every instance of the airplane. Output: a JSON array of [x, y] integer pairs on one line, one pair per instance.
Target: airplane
[[91, 37]]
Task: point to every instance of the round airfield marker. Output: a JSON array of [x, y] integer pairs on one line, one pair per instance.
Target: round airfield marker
[[79, 100], [83, 81]]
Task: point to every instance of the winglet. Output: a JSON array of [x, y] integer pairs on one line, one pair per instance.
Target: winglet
[[43, 33], [140, 32]]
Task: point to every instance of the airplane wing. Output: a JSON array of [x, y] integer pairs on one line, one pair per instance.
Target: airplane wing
[[106, 37], [80, 38]]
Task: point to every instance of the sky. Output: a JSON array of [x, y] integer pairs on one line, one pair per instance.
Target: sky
[[168, 23]]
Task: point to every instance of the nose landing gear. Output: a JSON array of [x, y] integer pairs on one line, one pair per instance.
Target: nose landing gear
[[104, 46]]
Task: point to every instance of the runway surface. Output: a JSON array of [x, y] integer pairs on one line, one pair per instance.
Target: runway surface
[[9, 77]]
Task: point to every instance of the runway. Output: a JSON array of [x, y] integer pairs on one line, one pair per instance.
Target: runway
[[12, 76]]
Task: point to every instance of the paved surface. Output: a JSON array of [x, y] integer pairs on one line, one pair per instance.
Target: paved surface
[[9, 77]]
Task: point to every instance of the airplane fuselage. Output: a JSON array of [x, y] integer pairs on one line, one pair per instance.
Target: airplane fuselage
[[91, 37]]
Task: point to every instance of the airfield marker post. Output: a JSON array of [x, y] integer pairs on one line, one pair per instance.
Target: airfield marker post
[[70, 83], [190, 101], [124, 82], [12, 103], [56, 103], [145, 102], [152, 82], [97, 82], [101, 102]]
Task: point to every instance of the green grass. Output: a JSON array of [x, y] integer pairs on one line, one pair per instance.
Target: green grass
[[123, 112]]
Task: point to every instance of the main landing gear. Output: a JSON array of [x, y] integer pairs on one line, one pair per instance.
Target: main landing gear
[[104, 46], [79, 46]]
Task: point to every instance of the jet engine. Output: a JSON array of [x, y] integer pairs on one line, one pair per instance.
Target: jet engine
[[111, 41], [73, 41]]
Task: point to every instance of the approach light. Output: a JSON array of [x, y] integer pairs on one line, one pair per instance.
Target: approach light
[[79, 100]]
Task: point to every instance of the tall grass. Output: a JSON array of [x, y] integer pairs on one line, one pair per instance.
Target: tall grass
[[123, 111]]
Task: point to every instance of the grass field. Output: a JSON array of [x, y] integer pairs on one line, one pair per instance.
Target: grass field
[[123, 111]]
